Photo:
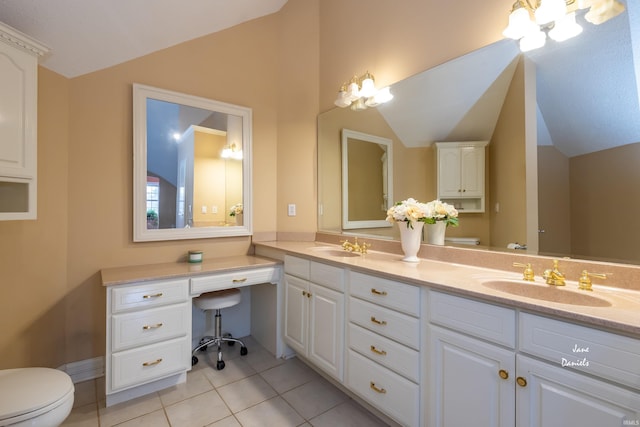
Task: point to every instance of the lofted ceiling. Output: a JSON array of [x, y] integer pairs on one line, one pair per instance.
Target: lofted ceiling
[[90, 35]]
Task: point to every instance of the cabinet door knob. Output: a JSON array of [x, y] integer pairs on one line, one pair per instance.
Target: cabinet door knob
[[377, 292], [376, 388], [503, 374], [378, 322], [152, 363], [147, 327], [521, 381]]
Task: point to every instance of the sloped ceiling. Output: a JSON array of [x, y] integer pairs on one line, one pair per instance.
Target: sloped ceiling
[[587, 91], [89, 35]]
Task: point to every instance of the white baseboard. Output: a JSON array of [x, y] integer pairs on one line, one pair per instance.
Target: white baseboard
[[84, 370]]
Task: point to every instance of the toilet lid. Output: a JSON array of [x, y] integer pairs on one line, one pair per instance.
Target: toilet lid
[[29, 389]]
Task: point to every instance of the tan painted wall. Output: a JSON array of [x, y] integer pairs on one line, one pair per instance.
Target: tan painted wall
[[554, 211], [286, 66]]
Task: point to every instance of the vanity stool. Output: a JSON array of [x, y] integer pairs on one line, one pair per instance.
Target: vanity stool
[[217, 301]]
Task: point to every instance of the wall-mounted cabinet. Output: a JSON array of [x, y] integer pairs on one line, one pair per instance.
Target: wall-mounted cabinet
[[461, 174], [18, 127]]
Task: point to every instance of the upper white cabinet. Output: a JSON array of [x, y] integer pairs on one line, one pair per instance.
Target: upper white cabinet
[[461, 174], [18, 127]]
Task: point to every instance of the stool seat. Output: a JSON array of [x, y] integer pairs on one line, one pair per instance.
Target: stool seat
[[218, 300]]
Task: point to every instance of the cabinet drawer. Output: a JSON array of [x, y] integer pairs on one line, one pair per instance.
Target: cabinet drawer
[[149, 363], [236, 279], [596, 352], [394, 325], [388, 293], [475, 318], [149, 295], [394, 356], [295, 266], [138, 328], [385, 390], [327, 275]]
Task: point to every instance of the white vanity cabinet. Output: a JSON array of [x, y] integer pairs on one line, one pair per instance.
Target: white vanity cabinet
[[18, 132], [479, 376], [461, 170], [314, 313], [383, 357], [148, 336]]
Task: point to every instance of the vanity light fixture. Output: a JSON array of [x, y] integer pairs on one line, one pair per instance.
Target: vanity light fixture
[[361, 93], [231, 151], [528, 19]]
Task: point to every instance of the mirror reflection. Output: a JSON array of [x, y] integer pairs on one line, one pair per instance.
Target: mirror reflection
[[557, 156], [190, 168]]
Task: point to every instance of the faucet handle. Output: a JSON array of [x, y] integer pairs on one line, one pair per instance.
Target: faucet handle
[[584, 282], [527, 274]]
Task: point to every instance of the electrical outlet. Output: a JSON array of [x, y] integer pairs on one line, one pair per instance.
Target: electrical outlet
[[291, 209], [214, 209], [204, 209]]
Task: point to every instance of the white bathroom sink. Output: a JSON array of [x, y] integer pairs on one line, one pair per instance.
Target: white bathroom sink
[[539, 291]]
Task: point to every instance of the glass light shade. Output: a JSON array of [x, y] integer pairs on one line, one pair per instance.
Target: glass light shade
[[602, 11], [550, 10], [565, 28], [353, 92], [532, 41], [519, 24], [584, 4], [342, 101], [368, 88], [383, 95]]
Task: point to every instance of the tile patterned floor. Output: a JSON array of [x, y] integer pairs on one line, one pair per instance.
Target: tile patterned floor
[[255, 390]]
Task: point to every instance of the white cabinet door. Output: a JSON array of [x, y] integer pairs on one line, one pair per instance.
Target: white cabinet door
[[471, 381], [296, 313], [449, 183], [556, 396], [472, 171], [326, 329]]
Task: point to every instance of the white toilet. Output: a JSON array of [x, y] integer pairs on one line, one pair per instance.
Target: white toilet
[[34, 397]]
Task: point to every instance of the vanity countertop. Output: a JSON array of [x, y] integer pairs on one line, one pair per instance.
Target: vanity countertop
[[140, 273], [623, 315]]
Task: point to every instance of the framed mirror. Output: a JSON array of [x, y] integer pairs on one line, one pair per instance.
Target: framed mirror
[[191, 167], [555, 132], [367, 180]]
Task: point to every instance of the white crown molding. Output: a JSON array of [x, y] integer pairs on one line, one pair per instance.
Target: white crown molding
[[16, 38]]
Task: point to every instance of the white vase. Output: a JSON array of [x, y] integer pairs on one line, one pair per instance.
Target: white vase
[[435, 233], [239, 219], [410, 240]]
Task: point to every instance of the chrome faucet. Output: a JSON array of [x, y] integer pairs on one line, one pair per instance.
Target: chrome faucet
[[355, 247], [553, 276]]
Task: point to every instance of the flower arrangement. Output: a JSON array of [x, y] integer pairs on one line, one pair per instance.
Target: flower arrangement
[[411, 210], [236, 209]]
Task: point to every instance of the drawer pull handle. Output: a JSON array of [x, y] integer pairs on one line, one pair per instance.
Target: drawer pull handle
[[147, 327], [239, 280], [521, 381], [152, 363], [377, 292], [378, 322], [503, 374], [376, 389], [158, 295], [376, 351]]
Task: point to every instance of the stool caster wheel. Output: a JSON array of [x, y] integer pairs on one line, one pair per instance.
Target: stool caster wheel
[[220, 365], [230, 343], [194, 360], [243, 351]]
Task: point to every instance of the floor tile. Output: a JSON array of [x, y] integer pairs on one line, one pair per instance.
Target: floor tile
[[85, 393], [126, 411], [198, 411], [246, 392], [154, 419], [346, 414], [227, 422], [288, 375], [314, 398], [196, 384], [83, 416], [261, 360], [234, 370], [273, 412]]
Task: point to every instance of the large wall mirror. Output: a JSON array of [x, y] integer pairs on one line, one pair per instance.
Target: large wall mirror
[[563, 127], [192, 167]]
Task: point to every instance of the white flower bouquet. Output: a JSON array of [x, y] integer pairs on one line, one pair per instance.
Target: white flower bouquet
[[411, 210], [236, 209]]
